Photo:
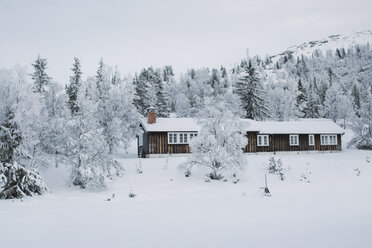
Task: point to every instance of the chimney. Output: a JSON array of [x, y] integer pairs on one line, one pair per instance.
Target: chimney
[[151, 115]]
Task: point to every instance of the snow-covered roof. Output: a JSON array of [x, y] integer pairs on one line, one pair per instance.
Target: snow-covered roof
[[301, 126], [171, 125]]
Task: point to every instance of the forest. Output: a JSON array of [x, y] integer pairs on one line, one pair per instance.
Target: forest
[[83, 123]]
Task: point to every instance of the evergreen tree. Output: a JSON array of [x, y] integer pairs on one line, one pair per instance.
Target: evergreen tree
[[10, 137], [73, 88], [355, 94], [331, 76], [139, 100], [161, 103], [150, 92], [167, 73], [17, 180], [103, 81], [311, 107], [19, 128], [40, 77], [301, 98], [251, 93]]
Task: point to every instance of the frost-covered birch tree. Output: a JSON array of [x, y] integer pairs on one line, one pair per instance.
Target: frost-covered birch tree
[[220, 140], [90, 164]]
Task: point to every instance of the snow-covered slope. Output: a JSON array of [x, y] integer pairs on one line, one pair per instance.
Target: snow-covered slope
[[332, 42]]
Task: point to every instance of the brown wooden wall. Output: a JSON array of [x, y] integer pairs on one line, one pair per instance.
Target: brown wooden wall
[[158, 144], [280, 142]]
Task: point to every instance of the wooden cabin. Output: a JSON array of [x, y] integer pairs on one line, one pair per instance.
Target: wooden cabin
[[172, 135]]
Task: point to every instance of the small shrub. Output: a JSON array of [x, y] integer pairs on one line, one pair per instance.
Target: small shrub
[[131, 194], [235, 179], [276, 167], [215, 176]]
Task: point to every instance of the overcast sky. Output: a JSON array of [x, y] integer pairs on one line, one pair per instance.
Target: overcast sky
[[191, 33]]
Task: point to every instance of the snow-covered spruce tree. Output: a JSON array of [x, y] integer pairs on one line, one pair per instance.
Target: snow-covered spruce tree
[[73, 87], [220, 141], [250, 90], [103, 81], [91, 166], [311, 107], [150, 92], [40, 77], [161, 102], [16, 181], [171, 88], [301, 97], [139, 100]]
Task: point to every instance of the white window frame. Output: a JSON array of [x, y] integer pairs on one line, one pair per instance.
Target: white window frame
[[294, 140], [328, 139], [181, 137], [172, 137], [311, 138], [140, 140], [261, 138]]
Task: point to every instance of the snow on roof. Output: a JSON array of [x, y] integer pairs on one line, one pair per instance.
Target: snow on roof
[[301, 126], [171, 125]]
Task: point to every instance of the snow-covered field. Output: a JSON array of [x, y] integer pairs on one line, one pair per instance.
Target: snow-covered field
[[332, 207]]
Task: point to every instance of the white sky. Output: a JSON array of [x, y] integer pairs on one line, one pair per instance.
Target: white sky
[[191, 33]]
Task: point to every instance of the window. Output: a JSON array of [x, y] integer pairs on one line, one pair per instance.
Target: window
[[311, 140], [172, 138], [263, 140], [180, 138], [328, 140], [140, 140], [293, 140]]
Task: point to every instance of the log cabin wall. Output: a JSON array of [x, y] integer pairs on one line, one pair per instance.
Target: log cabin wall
[[280, 142], [158, 144]]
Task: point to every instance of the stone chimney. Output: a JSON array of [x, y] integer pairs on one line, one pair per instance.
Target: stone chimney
[[151, 115]]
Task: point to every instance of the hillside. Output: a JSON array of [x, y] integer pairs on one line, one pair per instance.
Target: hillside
[[330, 43]]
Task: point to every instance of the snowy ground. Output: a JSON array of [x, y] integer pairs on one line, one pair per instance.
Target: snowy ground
[[332, 208]]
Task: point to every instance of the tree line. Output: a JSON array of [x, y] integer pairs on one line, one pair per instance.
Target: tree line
[[84, 123]]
